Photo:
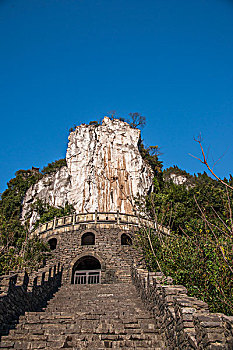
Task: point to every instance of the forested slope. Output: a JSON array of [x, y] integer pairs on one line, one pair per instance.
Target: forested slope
[[198, 253], [17, 251]]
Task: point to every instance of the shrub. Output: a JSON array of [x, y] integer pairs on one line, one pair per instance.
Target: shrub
[[54, 166], [48, 212]]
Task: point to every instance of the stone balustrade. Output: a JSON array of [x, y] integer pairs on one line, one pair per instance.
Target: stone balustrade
[[97, 218], [21, 292], [185, 321]]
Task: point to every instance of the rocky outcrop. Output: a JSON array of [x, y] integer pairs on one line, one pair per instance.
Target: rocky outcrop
[[178, 179], [52, 189], [104, 172], [106, 168]]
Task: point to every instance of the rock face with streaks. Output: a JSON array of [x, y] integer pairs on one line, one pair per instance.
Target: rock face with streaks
[[52, 189], [104, 172], [105, 166]]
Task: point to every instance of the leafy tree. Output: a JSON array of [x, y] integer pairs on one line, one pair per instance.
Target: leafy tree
[[151, 156], [198, 251], [17, 250], [11, 204], [94, 123], [54, 166], [73, 128], [15, 246], [48, 212], [195, 261]]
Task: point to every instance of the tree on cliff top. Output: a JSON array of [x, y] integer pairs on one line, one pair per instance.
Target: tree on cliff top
[[137, 120]]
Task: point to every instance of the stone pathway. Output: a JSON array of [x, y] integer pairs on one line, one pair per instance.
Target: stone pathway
[[87, 317]]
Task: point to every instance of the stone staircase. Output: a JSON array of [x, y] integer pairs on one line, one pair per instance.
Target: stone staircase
[[96, 316]]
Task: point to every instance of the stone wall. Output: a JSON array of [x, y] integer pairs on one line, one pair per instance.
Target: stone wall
[[22, 292], [115, 259], [185, 321]]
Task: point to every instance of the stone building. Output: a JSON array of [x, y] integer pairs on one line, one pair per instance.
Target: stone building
[[94, 247]]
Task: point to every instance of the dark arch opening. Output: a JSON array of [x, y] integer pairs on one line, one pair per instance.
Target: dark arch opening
[[52, 243], [85, 264], [126, 239], [88, 238]]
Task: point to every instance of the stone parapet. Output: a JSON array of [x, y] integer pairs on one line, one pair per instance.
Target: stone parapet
[[100, 219], [185, 321], [23, 292]]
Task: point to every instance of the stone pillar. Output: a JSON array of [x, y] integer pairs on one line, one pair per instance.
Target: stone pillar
[[54, 223], [73, 219]]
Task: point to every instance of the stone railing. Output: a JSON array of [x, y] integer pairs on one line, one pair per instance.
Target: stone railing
[[185, 321], [109, 218], [21, 292]]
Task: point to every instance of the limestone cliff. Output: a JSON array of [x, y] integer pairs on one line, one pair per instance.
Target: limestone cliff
[[104, 172], [52, 189]]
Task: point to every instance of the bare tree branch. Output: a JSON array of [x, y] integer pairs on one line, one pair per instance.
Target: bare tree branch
[[205, 162]]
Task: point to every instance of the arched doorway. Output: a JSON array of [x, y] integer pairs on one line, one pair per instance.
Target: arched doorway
[[52, 243], [126, 239], [87, 270]]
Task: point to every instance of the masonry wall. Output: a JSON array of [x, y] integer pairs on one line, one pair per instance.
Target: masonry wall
[[115, 259], [22, 292], [185, 321]]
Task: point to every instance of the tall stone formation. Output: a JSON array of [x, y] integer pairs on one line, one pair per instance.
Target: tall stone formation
[[105, 167], [104, 172]]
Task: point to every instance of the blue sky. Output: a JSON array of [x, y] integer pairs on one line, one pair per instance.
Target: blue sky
[[65, 62]]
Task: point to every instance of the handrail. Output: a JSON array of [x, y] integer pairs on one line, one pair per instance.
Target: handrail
[[114, 218]]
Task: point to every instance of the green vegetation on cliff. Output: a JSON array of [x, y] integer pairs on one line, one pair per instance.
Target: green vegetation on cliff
[[11, 205], [151, 156], [54, 166], [48, 212], [198, 253], [17, 251]]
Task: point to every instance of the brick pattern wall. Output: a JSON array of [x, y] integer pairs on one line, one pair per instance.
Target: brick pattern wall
[[22, 292], [115, 259], [185, 321]]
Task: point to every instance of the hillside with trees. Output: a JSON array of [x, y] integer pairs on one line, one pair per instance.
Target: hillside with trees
[[198, 251], [17, 251]]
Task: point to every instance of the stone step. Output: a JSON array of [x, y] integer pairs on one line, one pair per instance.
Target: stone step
[[67, 341], [83, 344], [87, 317], [66, 316], [92, 326]]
